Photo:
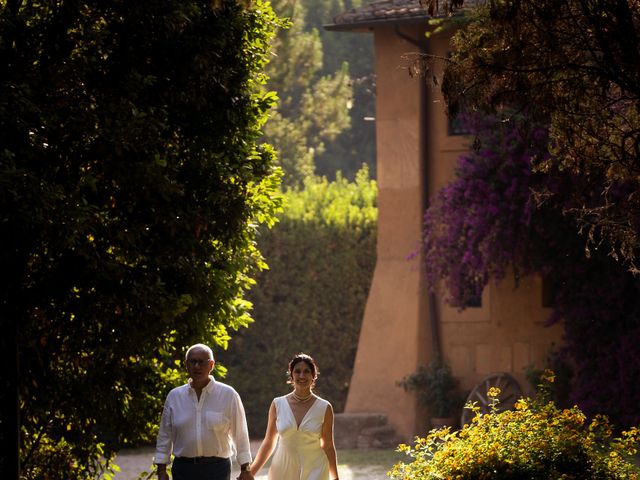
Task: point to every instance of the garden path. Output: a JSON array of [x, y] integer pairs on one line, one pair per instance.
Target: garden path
[[135, 461]]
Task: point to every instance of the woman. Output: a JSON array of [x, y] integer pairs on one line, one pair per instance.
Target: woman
[[301, 423]]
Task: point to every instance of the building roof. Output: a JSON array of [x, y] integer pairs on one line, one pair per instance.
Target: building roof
[[383, 12]]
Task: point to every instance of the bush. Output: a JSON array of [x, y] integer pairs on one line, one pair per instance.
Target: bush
[[321, 257], [537, 440], [435, 387], [132, 175]]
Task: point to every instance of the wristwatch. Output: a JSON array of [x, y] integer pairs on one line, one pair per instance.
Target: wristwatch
[[245, 467]]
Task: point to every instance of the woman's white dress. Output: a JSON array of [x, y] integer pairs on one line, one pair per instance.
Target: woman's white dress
[[298, 455]]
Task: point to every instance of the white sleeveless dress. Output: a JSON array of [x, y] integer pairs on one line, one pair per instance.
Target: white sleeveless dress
[[298, 455]]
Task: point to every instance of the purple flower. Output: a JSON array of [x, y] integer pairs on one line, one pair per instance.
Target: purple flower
[[499, 212]]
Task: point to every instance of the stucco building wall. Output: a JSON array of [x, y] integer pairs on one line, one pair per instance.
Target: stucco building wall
[[416, 157], [394, 330]]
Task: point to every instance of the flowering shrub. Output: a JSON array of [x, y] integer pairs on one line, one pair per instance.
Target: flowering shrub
[[471, 233], [505, 209], [537, 440]]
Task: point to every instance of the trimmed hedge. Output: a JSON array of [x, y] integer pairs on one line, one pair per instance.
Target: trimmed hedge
[[321, 257]]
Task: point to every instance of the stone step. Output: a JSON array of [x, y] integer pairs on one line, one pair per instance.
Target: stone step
[[378, 437], [363, 430]]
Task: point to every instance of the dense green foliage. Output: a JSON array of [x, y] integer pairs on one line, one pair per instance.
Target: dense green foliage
[[321, 257], [535, 441], [436, 388], [131, 184], [573, 65], [357, 144]]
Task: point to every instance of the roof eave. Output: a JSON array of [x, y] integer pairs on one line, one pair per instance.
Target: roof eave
[[368, 25]]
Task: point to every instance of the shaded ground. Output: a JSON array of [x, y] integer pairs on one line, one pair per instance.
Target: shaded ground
[[352, 464]]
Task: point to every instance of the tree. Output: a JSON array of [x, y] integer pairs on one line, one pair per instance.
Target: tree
[[436, 7], [575, 65], [355, 145], [132, 184], [570, 66], [314, 106]]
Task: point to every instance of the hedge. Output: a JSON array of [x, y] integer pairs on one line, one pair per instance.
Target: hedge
[[321, 257]]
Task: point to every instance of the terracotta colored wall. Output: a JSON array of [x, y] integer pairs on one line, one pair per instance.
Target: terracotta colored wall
[[506, 335], [416, 157], [394, 336]]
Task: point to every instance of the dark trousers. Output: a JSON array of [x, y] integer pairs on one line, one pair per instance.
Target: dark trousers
[[211, 468]]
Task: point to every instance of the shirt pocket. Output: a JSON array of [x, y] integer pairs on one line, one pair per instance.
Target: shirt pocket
[[216, 421]]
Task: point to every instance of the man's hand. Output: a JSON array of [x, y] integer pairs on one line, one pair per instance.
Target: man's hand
[[245, 475], [162, 472]]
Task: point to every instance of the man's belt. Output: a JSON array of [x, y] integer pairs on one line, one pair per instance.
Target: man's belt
[[199, 459]]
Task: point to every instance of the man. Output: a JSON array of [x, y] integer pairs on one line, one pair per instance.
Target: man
[[202, 423]]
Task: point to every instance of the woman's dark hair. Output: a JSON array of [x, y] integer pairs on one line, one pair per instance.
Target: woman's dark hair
[[303, 357]]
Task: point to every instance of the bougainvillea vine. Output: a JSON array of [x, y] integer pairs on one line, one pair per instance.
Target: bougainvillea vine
[[501, 213]]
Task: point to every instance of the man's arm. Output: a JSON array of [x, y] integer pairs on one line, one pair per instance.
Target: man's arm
[[245, 472], [164, 444], [240, 436]]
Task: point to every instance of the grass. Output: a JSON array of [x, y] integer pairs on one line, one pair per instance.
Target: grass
[[367, 464], [369, 458]]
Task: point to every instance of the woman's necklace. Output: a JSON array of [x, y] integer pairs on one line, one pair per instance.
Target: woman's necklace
[[301, 399]]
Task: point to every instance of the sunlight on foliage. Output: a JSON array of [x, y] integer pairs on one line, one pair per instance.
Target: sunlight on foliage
[[536, 440]]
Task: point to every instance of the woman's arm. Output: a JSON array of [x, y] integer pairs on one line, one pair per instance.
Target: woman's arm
[[327, 444], [268, 444]]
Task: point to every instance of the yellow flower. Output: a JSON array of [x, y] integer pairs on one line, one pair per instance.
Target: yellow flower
[[493, 392], [521, 404], [548, 376]]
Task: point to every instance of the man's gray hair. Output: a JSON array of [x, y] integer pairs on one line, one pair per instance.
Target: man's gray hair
[[199, 346]]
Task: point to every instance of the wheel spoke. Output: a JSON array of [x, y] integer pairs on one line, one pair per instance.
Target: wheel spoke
[[509, 393], [477, 394]]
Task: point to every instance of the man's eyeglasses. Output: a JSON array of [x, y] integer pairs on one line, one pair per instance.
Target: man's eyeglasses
[[196, 362]]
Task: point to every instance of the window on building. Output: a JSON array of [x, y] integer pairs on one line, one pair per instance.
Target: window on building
[[472, 301], [456, 126], [475, 301]]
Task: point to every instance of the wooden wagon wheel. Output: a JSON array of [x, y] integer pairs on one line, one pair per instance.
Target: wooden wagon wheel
[[509, 393]]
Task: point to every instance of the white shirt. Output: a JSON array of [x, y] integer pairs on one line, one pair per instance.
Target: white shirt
[[211, 427]]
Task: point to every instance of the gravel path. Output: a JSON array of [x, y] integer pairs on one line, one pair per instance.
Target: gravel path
[[133, 462]]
